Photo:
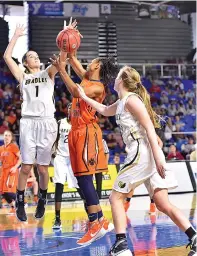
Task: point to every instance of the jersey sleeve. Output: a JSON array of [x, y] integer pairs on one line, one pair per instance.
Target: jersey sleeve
[[15, 149]]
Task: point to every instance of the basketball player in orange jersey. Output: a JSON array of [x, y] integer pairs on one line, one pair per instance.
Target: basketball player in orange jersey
[[85, 139], [10, 160]]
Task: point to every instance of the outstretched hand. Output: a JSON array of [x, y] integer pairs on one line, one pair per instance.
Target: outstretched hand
[[58, 62], [72, 25], [20, 30]]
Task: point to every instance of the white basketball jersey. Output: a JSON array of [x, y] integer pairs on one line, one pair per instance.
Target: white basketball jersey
[[37, 94], [130, 128], [64, 129]]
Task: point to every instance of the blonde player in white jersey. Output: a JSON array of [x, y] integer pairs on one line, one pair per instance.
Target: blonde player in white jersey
[[62, 167], [38, 128], [145, 162]]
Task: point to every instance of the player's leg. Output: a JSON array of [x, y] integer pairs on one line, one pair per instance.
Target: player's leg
[[98, 177], [59, 180], [152, 206], [128, 200], [35, 191], [158, 190], [10, 198], [46, 135], [163, 204], [28, 152], [58, 200], [120, 246]]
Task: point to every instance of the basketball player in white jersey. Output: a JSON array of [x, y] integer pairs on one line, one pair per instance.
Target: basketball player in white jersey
[[62, 166], [145, 162], [38, 128]]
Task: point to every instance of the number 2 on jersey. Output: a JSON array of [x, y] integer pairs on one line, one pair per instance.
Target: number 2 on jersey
[[37, 90], [66, 139]]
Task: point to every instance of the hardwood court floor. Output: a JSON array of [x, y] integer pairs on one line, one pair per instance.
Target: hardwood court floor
[[147, 235]]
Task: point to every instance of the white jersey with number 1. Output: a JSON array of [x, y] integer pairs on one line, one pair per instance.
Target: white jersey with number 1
[[37, 93]]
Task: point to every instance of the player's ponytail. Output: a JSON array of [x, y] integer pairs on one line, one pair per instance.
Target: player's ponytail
[[132, 82], [108, 70]]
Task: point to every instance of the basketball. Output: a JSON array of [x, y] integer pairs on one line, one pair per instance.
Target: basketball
[[68, 40]]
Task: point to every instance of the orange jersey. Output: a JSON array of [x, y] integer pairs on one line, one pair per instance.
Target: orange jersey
[[8, 159], [81, 113], [8, 155]]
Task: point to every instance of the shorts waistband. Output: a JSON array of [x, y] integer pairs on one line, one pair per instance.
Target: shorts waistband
[[74, 128], [37, 117]]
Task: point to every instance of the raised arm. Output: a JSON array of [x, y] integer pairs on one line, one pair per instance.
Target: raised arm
[[102, 109], [138, 109], [14, 68], [92, 92], [76, 65]]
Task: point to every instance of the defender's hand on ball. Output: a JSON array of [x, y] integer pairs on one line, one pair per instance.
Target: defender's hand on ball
[[72, 25]]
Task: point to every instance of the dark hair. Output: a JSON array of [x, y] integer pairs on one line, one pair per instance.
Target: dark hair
[[108, 70]]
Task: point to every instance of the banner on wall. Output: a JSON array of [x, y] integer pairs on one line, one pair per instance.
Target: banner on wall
[[81, 10], [69, 194], [105, 8], [179, 169], [46, 9]]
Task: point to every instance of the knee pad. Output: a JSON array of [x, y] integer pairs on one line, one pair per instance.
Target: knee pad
[[58, 192], [88, 190]]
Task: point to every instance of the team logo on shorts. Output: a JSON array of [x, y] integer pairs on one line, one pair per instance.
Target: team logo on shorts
[[92, 161], [121, 184]]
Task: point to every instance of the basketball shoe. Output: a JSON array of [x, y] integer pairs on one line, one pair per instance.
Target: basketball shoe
[[192, 244], [20, 211], [92, 233], [120, 248], [152, 208], [57, 224], [40, 209]]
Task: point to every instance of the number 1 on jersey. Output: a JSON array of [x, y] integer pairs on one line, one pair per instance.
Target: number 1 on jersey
[[37, 88]]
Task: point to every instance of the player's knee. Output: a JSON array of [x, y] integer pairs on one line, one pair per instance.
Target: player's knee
[[165, 208], [43, 170], [26, 168], [115, 196]]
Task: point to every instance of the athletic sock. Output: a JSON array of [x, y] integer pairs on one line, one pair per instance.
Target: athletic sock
[[120, 236], [57, 214], [20, 196], [43, 193], [93, 216], [190, 232], [128, 199]]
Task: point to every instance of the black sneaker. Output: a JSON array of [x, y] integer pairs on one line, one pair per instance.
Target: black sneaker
[[57, 224], [20, 212], [120, 248], [40, 209], [192, 244]]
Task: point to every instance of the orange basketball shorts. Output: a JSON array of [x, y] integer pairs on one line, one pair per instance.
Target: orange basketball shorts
[[86, 150]]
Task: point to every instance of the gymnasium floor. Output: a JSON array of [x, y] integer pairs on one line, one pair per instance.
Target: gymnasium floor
[[148, 235]]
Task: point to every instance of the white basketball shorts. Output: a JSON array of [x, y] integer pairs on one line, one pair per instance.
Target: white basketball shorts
[[63, 171], [37, 136], [140, 168]]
